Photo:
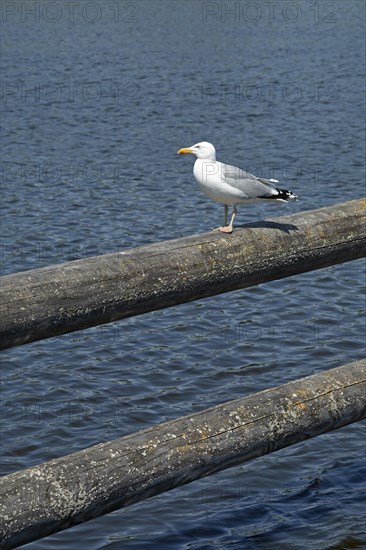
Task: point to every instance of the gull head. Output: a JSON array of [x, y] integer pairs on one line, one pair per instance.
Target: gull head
[[202, 150]]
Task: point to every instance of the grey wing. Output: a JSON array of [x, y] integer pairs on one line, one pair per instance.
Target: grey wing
[[249, 185]]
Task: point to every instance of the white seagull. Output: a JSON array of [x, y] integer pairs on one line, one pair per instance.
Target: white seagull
[[229, 184]]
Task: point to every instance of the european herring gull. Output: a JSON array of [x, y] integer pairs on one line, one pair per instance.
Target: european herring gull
[[229, 184]]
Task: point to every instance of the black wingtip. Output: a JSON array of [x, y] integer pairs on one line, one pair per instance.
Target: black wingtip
[[282, 195], [286, 195]]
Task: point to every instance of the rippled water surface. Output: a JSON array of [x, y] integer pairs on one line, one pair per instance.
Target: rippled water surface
[[95, 104]]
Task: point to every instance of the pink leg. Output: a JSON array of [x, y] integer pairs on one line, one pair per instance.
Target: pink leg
[[228, 228]]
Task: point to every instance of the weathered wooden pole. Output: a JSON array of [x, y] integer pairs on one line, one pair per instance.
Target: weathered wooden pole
[[66, 491], [63, 298]]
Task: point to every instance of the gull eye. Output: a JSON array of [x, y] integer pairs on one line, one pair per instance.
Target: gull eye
[[198, 146]]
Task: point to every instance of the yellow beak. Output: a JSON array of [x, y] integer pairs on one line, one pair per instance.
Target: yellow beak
[[184, 151]]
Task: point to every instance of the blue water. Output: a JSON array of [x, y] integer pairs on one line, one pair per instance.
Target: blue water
[[96, 102]]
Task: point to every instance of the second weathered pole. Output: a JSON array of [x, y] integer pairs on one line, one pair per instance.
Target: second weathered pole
[[66, 491]]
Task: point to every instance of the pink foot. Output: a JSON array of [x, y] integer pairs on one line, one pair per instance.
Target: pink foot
[[226, 229]]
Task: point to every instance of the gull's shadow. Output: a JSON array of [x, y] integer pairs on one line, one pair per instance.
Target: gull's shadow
[[285, 227]]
